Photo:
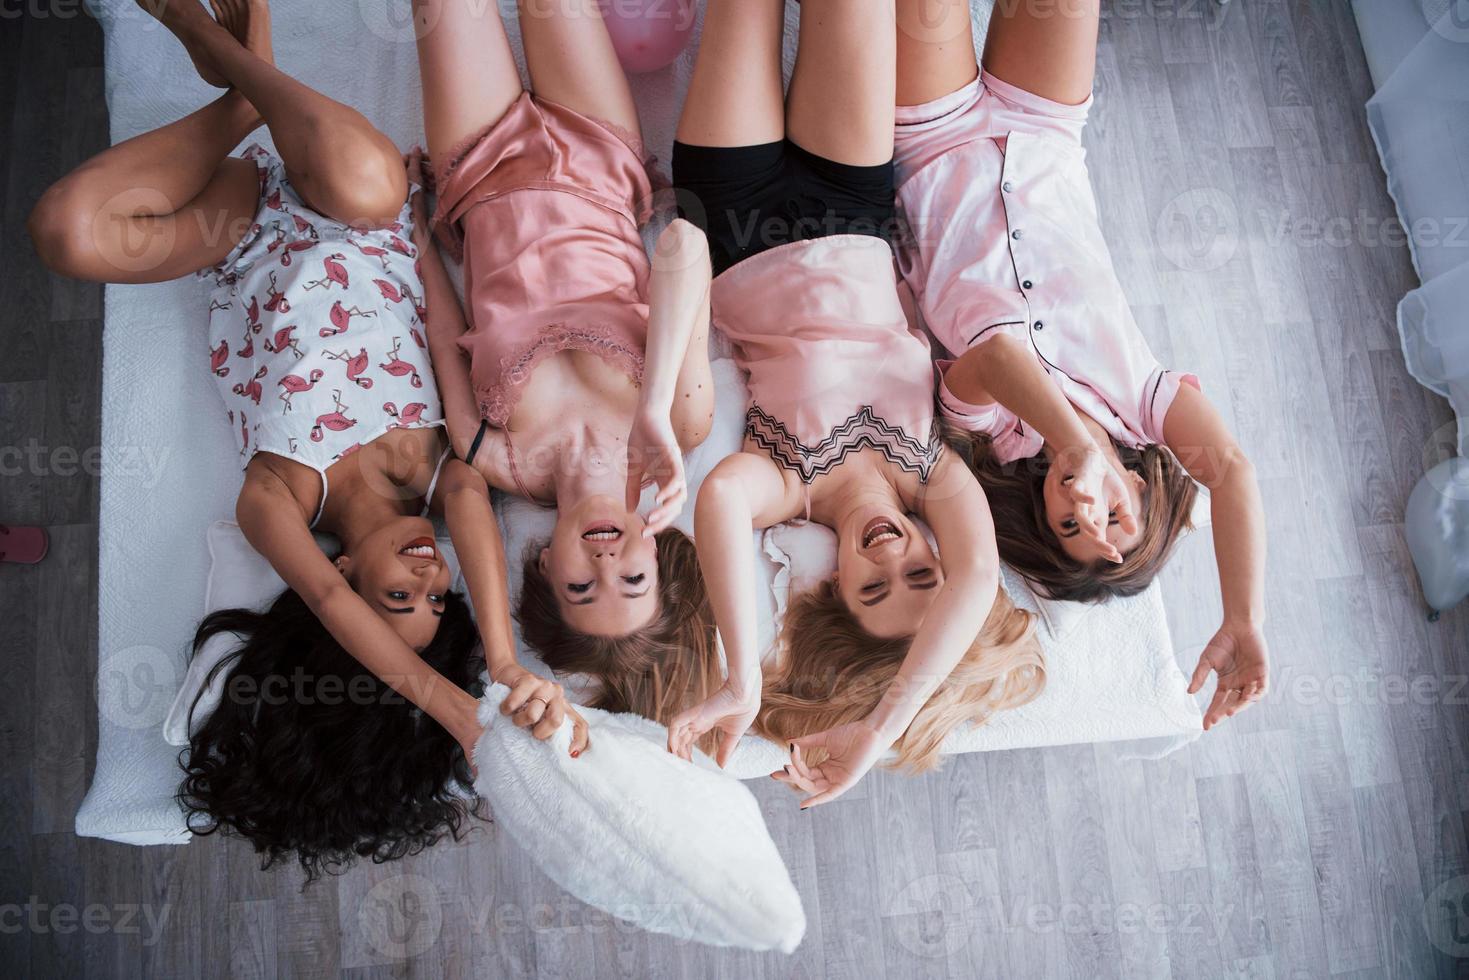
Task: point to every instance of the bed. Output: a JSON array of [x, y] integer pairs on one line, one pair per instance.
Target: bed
[[168, 553]]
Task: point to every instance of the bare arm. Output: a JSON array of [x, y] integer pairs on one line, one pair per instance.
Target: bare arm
[[273, 524], [676, 403], [1197, 435], [955, 508], [745, 491], [445, 325], [1003, 370]]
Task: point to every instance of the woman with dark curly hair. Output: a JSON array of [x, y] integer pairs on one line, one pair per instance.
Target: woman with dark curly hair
[[307, 259]]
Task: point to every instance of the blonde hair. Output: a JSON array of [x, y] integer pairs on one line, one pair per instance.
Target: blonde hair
[[833, 672]]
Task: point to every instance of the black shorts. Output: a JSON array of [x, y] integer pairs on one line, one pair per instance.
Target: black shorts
[[749, 199]]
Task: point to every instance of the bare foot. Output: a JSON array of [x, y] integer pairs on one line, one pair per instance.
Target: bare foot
[[246, 21]]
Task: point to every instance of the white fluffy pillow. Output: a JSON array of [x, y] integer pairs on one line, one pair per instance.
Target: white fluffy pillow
[[628, 828]]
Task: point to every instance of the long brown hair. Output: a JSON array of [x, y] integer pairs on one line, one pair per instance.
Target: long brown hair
[[833, 672], [1016, 493], [668, 665]]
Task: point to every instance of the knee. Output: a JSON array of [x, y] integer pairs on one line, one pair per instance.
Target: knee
[[367, 184], [60, 226]]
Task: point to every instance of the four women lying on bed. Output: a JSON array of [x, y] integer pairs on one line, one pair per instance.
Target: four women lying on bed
[[578, 372]]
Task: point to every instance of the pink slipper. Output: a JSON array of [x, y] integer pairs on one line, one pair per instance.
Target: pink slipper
[[24, 545]]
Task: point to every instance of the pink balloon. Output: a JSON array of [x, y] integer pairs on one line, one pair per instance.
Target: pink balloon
[[648, 34]]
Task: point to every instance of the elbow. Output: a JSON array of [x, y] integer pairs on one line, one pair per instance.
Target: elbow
[[720, 497]]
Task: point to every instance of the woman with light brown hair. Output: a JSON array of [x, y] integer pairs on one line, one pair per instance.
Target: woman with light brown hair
[[582, 365], [1087, 447]]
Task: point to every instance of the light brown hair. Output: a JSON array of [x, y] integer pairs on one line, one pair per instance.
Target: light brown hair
[[657, 671], [1027, 544], [832, 672]]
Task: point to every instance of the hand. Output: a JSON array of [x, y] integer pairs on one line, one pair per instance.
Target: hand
[[1099, 494], [1237, 654], [851, 750], [652, 450], [413, 164], [729, 711], [540, 705]]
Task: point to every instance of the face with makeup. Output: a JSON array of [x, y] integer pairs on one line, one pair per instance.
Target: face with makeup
[[398, 571], [887, 573], [603, 571], [1067, 524]]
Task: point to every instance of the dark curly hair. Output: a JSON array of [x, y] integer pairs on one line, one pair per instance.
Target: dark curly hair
[[309, 754]]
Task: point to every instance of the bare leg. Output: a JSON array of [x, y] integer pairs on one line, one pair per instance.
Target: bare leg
[[572, 61], [1047, 49], [339, 163], [935, 49], [842, 93], [736, 96], [468, 71]]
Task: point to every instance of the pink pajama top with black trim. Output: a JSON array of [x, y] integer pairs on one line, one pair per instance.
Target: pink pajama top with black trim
[[1002, 237]]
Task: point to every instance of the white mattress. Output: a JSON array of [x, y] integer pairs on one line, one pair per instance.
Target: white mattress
[[175, 472]]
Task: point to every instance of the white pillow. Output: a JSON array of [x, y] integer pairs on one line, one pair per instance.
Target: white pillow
[[666, 845], [239, 578]]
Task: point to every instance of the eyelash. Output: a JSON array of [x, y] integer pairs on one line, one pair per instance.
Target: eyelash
[[579, 587], [634, 579]]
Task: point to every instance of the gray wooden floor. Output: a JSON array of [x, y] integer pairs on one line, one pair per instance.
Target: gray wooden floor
[[1312, 836]]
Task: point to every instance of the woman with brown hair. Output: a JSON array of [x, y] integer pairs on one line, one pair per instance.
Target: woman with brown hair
[[582, 366], [796, 196], [1086, 444]]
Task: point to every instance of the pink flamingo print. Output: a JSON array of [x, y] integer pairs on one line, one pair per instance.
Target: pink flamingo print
[[411, 414], [303, 226], [337, 421], [248, 351], [252, 314], [215, 304], [274, 200], [418, 308], [217, 357], [251, 389], [356, 364], [294, 384], [244, 436], [275, 300], [372, 251], [295, 247], [400, 246], [342, 316], [418, 338], [291, 442], [398, 367], [283, 340], [389, 291], [335, 272]]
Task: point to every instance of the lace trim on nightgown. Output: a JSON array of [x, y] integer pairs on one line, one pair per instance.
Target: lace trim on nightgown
[[497, 401], [862, 429]]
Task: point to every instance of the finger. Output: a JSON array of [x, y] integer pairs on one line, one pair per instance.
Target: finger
[[727, 746], [581, 736], [673, 484], [805, 784], [1201, 674], [1216, 712], [519, 694], [634, 484], [661, 517], [1125, 519], [798, 760], [529, 713], [550, 722], [821, 798]]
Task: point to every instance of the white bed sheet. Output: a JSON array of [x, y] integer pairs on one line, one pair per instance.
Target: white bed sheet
[[173, 471]]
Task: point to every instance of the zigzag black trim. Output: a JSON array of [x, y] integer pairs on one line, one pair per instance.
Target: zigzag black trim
[[864, 428]]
